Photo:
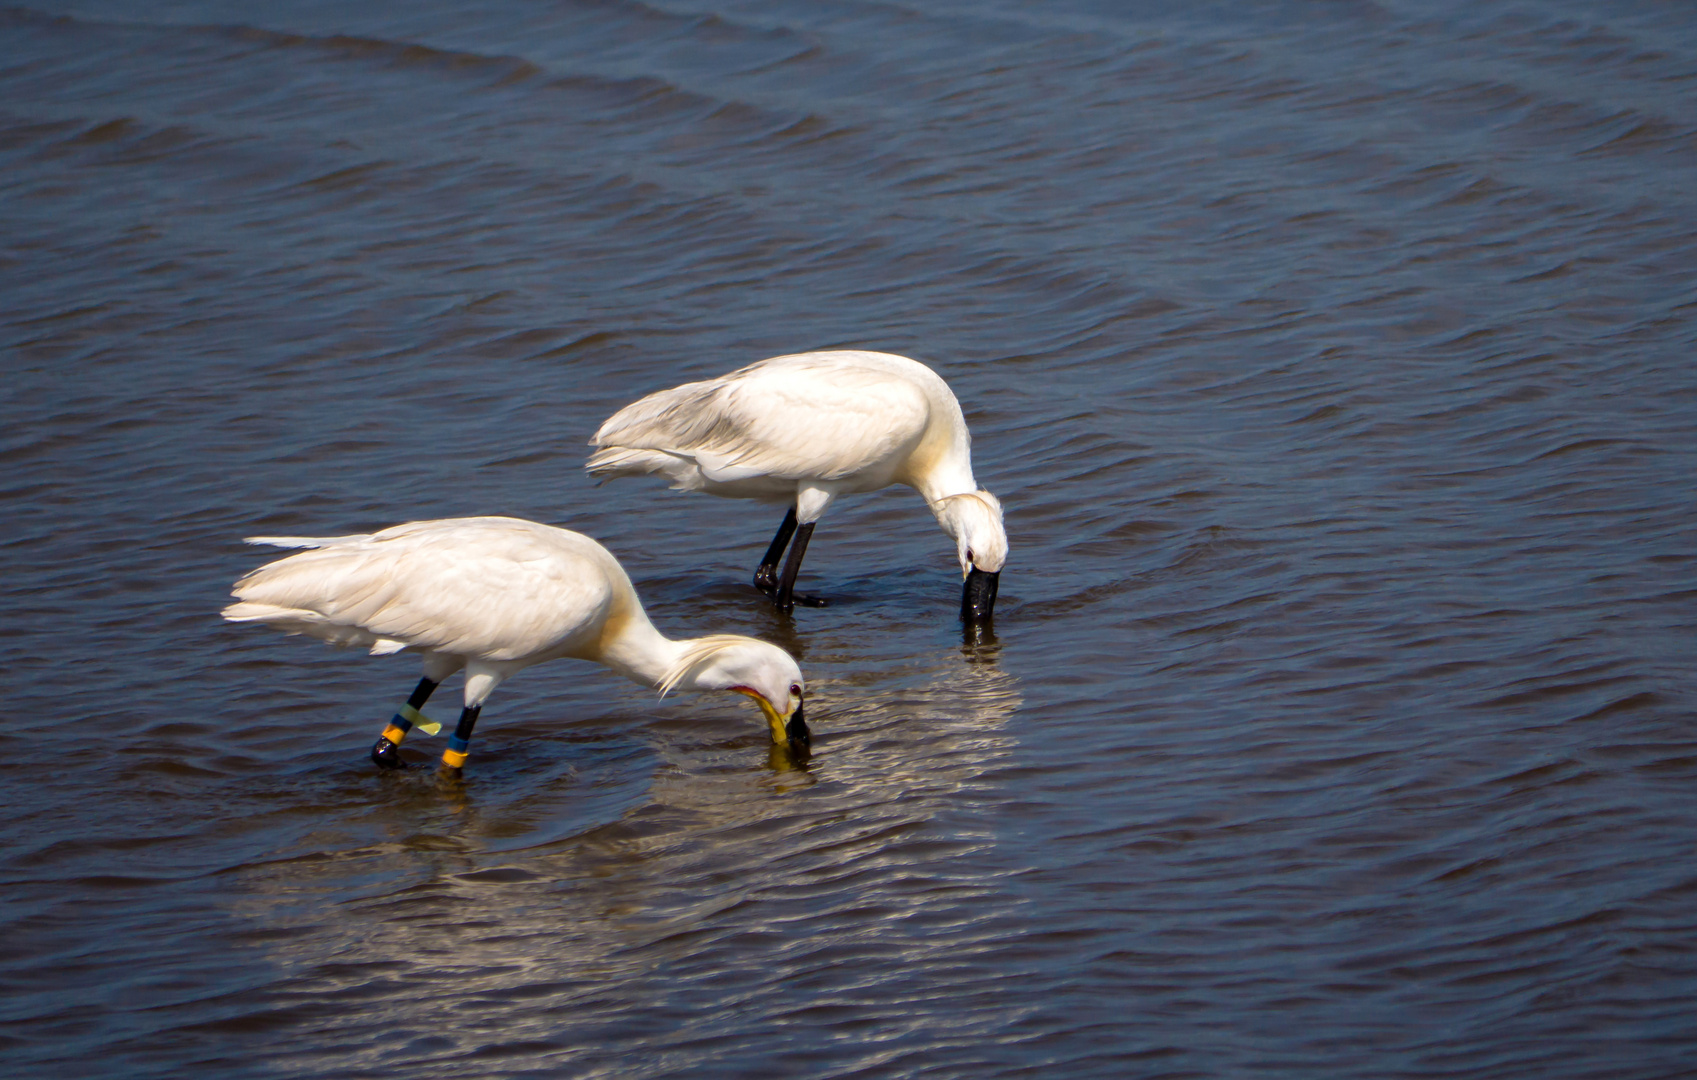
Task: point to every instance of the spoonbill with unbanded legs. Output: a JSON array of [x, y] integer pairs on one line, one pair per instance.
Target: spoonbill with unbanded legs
[[804, 429], [492, 596]]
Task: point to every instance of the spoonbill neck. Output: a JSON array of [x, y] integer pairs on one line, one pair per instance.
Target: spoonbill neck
[[636, 650], [939, 486], [941, 465]]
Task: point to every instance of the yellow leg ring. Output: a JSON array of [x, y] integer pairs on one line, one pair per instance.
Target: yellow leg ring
[[393, 734], [454, 759], [419, 720]]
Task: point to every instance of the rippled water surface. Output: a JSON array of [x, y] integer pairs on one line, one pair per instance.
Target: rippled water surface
[[1334, 362]]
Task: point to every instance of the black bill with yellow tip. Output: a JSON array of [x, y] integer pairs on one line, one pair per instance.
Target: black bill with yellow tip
[[788, 731]]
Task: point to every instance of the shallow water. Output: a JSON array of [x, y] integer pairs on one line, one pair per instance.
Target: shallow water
[[1333, 362]]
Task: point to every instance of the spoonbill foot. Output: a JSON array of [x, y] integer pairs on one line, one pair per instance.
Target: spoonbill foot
[[387, 754], [770, 591]]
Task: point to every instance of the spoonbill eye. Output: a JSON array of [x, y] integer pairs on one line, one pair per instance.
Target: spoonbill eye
[[969, 556], [795, 689]]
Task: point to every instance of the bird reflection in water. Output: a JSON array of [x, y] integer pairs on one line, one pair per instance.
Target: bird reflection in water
[[584, 927], [789, 764], [450, 786], [978, 642]]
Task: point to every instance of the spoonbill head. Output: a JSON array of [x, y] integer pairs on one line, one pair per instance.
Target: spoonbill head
[[974, 519], [748, 666]]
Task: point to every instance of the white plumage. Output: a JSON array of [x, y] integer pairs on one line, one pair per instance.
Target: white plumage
[[494, 595], [804, 429]]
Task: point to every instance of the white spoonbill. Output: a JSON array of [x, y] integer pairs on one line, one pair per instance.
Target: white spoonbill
[[494, 595], [804, 429]]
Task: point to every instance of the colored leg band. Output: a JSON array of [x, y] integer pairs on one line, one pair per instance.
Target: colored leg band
[[456, 754], [408, 716], [395, 732]]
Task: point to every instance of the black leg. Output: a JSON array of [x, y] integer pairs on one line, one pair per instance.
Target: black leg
[[387, 750], [459, 743], [786, 598], [766, 574]]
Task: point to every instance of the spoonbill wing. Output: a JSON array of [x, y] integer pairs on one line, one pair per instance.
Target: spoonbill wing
[[487, 587], [791, 421]]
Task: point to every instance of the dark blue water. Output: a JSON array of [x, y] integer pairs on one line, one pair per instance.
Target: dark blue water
[[1334, 363]]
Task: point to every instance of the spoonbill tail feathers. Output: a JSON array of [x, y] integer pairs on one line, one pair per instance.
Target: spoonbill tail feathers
[[803, 429], [492, 596]]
